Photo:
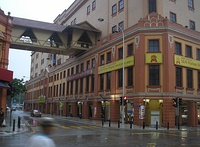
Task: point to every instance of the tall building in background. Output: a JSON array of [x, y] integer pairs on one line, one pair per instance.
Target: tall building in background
[[161, 63]]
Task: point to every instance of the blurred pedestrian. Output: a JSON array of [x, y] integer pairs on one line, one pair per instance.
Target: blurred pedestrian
[[43, 139], [1, 117]]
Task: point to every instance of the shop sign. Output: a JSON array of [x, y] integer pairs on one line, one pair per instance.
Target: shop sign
[[129, 61], [141, 112], [81, 75], [41, 99], [153, 58], [186, 62]]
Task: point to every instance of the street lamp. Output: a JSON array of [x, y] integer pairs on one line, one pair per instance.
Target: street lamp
[[123, 83]]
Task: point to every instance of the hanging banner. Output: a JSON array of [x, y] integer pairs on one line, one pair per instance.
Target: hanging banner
[[141, 112]]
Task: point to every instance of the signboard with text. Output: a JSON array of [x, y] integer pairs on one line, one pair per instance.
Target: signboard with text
[[116, 65], [186, 62]]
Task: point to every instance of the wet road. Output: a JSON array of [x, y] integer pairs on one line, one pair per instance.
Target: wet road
[[81, 135]]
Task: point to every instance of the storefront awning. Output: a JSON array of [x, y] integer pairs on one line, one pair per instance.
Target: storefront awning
[[4, 85]]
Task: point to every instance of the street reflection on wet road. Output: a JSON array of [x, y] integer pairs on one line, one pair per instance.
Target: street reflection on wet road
[[81, 135]]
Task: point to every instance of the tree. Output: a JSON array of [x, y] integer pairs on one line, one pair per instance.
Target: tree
[[17, 86]]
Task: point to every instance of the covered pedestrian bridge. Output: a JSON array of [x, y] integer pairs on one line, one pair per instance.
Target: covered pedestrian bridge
[[45, 37]]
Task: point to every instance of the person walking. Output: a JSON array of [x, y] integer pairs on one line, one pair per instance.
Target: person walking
[[43, 139], [1, 117]]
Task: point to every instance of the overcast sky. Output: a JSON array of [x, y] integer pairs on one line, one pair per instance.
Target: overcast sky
[[41, 10]]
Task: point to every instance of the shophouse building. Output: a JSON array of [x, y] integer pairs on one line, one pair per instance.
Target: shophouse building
[[160, 40], [6, 76]]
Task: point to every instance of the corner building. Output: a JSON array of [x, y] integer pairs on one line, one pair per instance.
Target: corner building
[[6, 76], [162, 53]]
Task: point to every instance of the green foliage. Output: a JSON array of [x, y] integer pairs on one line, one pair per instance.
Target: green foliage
[[17, 86]]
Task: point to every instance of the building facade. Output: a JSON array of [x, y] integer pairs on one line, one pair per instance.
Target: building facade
[[6, 76], [161, 63]]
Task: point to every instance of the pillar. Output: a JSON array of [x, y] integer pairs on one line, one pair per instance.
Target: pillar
[[192, 114], [114, 110], [169, 112], [85, 110], [137, 103]]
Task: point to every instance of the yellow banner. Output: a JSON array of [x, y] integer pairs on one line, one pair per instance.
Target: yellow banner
[[41, 99], [186, 62], [153, 58], [116, 65], [2, 28]]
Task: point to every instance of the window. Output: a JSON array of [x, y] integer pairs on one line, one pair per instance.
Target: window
[[192, 25], [87, 83], [102, 59], [153, 45], [101, 81], [178, 48], [120, 77], [76, 90], [189, 79], [93, 4], [198, 54], [88, 9], [60, 75], [114, 9], [120, 53], [121, 5], [121, 26], [74, 20], [63, 89], [72, 70], [188, 51], [92, 83], [198, 79], [178, 77], [191, 4], [130, 49], [153, 75], [108, 57], [71, 88], [114, 29], [93, 63], [172, 17], [67, 88], [81, 85], [77, 69], [64, 74], [82, 67], [130, 76], [60, 90], [57, 76], [88, 64], [152, 6], [108, 81], [68, 72]]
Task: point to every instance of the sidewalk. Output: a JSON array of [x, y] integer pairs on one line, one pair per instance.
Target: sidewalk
[[9, 130]]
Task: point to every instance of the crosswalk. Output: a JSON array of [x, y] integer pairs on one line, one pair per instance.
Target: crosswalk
[[80, 127]]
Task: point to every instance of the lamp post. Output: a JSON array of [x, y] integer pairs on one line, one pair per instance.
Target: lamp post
[[123, 83]]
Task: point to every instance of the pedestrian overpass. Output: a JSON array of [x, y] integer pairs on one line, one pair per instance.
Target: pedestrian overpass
[[45, 37]]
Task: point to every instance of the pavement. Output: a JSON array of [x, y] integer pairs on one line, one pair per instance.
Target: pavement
[[11, 129]]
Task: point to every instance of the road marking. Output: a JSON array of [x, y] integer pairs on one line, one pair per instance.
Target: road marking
[[151, 144], [80, 127], [64, 127], [76, 127]]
